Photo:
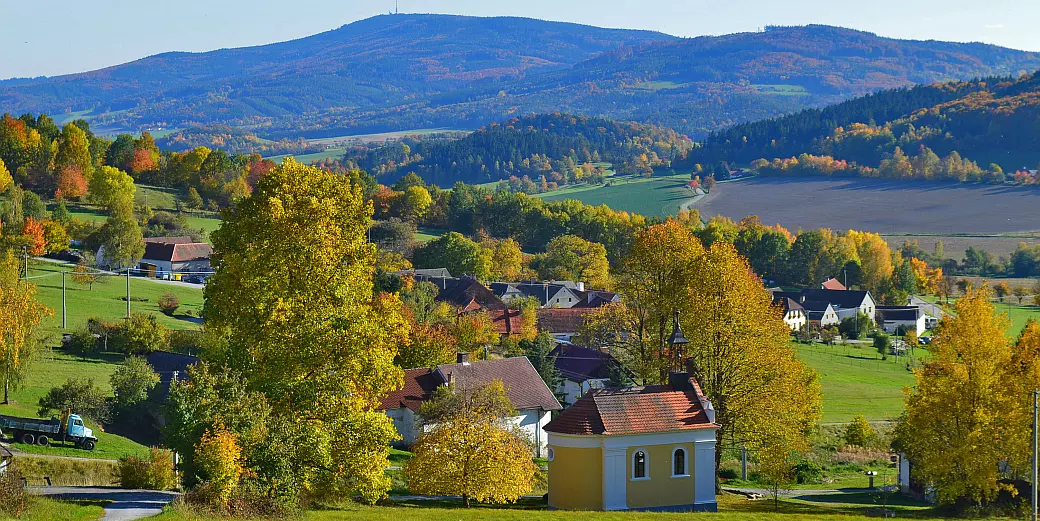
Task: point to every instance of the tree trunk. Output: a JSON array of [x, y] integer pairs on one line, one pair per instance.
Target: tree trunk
[[465, 500], [7, 388]]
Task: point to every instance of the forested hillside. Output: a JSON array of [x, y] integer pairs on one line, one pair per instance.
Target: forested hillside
[[404, 72], [550, 148], [960, 131]]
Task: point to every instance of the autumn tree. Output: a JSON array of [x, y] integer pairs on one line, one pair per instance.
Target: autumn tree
[[457, 253], [70, 182], [109, 185], [6, 180], [35, 238], [20, 317], [293, 293], [955, 428], [1001, 290], [740, 354], [875, 259], [611, 328], [569, 257], [470, 451], [415, 202], [74, 152], [84, 276], [474, 332], [218, 458], [121, 236], [1020, 292], [507, 261]]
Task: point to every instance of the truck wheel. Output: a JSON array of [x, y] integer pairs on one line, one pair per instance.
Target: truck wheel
[[88, 445], [43, 441], [28, 438]]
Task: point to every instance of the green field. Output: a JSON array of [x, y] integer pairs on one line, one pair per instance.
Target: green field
[[782, 90], [424, 234], [856, 381], [659, 85], [106, 299], [652, 197], [53, 369]]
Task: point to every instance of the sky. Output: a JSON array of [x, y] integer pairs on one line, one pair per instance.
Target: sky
[[52, 37]]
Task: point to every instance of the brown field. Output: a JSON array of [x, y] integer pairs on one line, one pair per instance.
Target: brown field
[[878, 206], [954, 246]]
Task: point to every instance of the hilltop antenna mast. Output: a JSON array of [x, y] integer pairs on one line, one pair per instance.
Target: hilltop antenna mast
[[397, 7]]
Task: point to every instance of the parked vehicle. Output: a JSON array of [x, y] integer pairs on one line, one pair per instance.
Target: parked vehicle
[[38, 431]]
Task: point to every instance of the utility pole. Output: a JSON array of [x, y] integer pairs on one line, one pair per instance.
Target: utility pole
[[63, 321], [743, 462], [128, 293], [25, 262], [1036, 402]]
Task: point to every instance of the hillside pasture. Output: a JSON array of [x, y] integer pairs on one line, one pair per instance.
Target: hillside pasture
[[652, 197], [955, 245], [878, 206]]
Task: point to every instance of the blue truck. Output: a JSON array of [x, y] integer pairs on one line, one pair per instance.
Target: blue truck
[[38, 431]]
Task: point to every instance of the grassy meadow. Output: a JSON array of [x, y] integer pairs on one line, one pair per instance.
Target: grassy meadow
[[856, 380], [653, 197]]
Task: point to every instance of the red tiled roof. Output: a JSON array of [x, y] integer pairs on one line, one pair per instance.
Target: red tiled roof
[[562, 320], [834, 284], [506, 321], [634, 410]]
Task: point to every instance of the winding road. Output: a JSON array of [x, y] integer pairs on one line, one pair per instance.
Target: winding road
[[126, 505]]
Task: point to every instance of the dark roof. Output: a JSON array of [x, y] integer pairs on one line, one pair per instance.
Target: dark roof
[[844, 299], [469, 295], [597, 298], [168, 240], [168, 364], [819, 306], [562, 320], [419, 385], [815, 316], [634, 410], [579, 364], [440, 273], [788, 304], [524, 386], [885, 313], [177, 251]]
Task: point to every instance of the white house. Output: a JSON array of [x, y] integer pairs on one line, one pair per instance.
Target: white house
[[794, 314], [820, 313], [169, 257], [846, 303], [549, 294], [531, 398], [909, 318]]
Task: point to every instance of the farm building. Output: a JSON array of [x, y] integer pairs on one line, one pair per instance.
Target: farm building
[[908, 318], [531, 398], [170, 257], [794, 314], [561, 323], [635, 448]]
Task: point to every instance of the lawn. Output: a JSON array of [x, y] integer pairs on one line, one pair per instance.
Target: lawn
[[782, 90], [856, 381], [107, 299], [54, 369], [46, 509], [843, 507], [428, 234], [652, 197]]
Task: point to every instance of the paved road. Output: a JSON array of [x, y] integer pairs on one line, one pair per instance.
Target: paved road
[[797, 494], [126, 505]]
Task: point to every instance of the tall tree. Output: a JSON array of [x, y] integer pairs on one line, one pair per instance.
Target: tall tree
[[569, 257], [456, 252], [121, 235], [293, 292], [74, 151], [110, 184], [741, 356]]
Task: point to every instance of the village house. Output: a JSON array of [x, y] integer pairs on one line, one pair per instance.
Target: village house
[[468, 295], [549, 294], [562, 324], [794, 314], [175, 258], [892, 319], [846, 303], [820, 314], [833, 284], [531, 398], [582, 369], [635, 448]]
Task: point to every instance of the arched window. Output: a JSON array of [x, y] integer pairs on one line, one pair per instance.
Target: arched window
[[639, 465], [679, 462], [551, 454]]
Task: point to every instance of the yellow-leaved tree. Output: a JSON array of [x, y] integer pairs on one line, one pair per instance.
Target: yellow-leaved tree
[[468, 450], [20, 316], [763, 395], [218, 458], [960, 422], [292, 295]]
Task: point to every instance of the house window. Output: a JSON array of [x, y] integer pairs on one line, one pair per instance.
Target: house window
[[639, 465], [679, 463], [551, 454]]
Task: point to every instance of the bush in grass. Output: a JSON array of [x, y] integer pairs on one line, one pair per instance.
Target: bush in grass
[[155, 473], [882, 343], [82, 341], [168, 303], [859, 433], [808, 472], [141, 334], [218, 457], [185, 341], [14, 498], [132, 381], [79, 395]]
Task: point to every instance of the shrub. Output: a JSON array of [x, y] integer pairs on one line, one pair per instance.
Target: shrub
[[217, 456], [141, 334], [185, 341], [807, 472], [728, 473], [14, 498], [168, 303], [132, 381], [859, 433], [156, 473], [882, 343], [82, 341], [82, 396]]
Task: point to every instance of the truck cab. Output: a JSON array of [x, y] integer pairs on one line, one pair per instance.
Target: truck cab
[[77, 429]]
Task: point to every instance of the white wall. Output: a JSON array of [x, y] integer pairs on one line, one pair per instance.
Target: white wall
[[572, 390], [404, 422]]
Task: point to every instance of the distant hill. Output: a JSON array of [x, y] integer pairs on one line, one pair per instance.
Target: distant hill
[[400, 72], [920, 132], [549, 148]]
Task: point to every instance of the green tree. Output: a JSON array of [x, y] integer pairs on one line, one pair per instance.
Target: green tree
[[121, 235], [110, 185], [859, 433], [569, 257], [459, 254], [61, 213], [81, 396], [507, 262], [32, 206], [132, 381], [538, 351], [193, 200], [293, 293], [416, 202]]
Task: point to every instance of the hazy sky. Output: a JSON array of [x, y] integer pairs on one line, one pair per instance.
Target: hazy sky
[[49, 37]]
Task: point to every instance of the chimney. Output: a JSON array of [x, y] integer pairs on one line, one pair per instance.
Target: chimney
[[462, 358], [680, 381], [581, 286]]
